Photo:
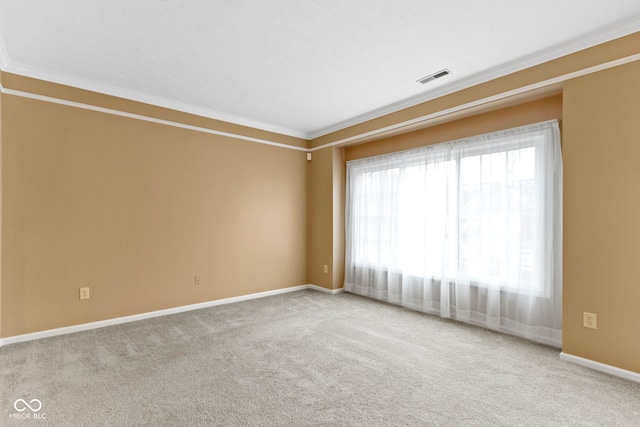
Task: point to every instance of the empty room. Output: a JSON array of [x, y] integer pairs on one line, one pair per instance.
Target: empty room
[[365, 213]]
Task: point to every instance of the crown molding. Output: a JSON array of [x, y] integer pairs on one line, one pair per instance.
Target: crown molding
[[597, 37], [4, 58], [606, 34], [105, 89], [479, 102], [89, 107]]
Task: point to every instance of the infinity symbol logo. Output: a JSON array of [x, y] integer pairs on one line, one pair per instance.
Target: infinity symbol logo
[[24, 405]]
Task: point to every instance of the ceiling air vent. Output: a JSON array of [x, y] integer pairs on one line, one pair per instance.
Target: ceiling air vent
[[434, 76]]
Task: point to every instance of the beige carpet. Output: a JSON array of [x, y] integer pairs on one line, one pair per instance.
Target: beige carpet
[[305, 358]]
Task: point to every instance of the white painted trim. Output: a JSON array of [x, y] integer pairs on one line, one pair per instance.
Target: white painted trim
[[394, 108], [603, 35], [325, 290], [64, 79], [608, 369], [141, 117], [4, 57], [476, 103], [152, 314]]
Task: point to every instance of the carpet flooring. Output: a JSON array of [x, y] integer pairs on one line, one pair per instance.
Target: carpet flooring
[[304, 359]]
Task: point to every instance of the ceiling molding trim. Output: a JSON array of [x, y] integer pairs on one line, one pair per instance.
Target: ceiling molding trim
[[4, 58], [606, 34], [144, 118], [479, 102], [105, 89]]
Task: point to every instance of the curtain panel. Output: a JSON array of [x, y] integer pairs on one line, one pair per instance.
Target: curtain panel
[[469, 230]]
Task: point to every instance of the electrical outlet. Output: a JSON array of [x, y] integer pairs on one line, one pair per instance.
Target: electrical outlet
[[589, 320], [84, 293], [196, 279], [326, 269]]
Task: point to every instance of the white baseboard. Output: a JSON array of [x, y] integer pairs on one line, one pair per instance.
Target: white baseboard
[[151, 314], [608, 369], [329, 291], [612, 370]]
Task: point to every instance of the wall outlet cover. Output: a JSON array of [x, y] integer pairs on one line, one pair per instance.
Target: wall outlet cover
[[589, 320]]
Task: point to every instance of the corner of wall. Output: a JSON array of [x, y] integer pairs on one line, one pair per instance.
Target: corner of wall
[[1, 132], [325, 204], [338, 216]]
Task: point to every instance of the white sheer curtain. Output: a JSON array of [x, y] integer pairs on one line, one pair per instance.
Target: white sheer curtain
[[469, 230]]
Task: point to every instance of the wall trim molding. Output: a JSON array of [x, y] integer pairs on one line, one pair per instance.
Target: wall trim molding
[[158, 313], [600, 36], [4, 57], [352, 139], [603, 35], [519, 91], [111, 111], [326, 290], [607, 369], [158, 101]]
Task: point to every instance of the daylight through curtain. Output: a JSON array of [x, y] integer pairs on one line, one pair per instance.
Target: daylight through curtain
[[469, 230]]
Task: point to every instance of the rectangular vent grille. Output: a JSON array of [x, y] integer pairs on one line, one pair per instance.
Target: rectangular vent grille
[[432, 77]]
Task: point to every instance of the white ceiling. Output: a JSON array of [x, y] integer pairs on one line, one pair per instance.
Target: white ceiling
[[302, 68]]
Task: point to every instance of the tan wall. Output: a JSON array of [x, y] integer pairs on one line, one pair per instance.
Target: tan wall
[[339, 184], [1, 133], [134, 210], [326, 218], [57, 91], [505, 118], [320, 218], [601, 146]]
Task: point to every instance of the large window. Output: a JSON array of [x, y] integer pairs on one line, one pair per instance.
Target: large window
[[458, 227]]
